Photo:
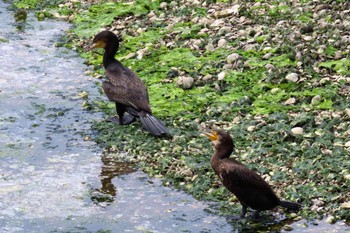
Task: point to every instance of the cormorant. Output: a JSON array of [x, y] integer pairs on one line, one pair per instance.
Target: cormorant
[[250, 189], [125, 88]]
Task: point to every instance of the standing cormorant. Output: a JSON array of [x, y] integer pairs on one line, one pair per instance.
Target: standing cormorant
[[250, 189], [125, 88]]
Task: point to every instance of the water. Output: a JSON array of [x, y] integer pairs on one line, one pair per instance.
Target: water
[[51, 179]]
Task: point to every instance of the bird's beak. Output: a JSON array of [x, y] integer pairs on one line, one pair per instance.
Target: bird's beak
[[97, 44], [212, 135]]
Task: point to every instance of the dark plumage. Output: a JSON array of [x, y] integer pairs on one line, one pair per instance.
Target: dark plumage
[[125, 88], [249, 188]]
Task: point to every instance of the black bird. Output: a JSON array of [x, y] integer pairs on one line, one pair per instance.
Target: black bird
[[125, 88], [250, 189]]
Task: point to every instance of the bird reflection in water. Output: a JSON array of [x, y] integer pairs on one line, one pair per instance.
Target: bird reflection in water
[[20, 17], [111, 168]]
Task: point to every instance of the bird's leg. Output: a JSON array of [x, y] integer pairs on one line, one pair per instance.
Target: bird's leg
[[121, 119], [256, 216], [120, 111], [244, 211]]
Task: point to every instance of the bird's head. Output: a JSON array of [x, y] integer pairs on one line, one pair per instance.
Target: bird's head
[[103, 39], [218, 137]]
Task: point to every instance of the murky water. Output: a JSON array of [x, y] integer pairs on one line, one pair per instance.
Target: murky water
[[51, 179]]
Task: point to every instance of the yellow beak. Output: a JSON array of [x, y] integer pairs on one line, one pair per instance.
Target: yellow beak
[[213, 135], [98, 44]]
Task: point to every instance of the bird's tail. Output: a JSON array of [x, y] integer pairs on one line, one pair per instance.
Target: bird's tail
[[154, 125], [290, 205]]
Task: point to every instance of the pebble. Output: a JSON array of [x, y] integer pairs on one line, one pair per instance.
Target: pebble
[[347, 144], [347, 111], [163, 5], [222, 43], [185, 82], [209, 47], [207, 77], [290, 101], [217, 24], [331, 219], [227, 12], [251, 128], [221, 75], [292, 77], [316, 100], [232, 58], [275, 90], [297, 131]]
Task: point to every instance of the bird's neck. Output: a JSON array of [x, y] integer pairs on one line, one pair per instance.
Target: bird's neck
[[108, 56], [222, 152]]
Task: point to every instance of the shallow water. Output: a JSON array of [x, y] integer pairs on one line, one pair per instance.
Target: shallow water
[[51, 179]]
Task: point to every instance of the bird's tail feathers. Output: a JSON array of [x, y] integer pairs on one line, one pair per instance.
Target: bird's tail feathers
[[154, 125], [290, 205]]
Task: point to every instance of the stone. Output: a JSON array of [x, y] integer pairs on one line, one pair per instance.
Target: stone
[[222, 43], [185, 82], [232, 58], [290, 101], [297, 131], [292, 77], [221, 75]]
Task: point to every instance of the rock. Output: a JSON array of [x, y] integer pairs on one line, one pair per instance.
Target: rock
[[267, 56], [141, 53], [290, 101], [232, 58], [140, 30], [270, 68], [217, 24], [221, 75], [275, 90], [287, 228], [331, 219], [210, 47], [347, 111], [307, 38], [227, 12], [292, 77], [316, 100], [347, 144], [163, 5], [222, 43], [207, 77], [173, 4], [297, 131], [130, 55], [345, 205], [251, 128], [325, 80], [185, 82]]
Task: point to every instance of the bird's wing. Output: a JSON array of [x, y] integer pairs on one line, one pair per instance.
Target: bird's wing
[[246, 184], [126, 88], [238, 174]]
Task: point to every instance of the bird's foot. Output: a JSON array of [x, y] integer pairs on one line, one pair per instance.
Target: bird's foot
[[234, 217], [127, 120], [256, 216]]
